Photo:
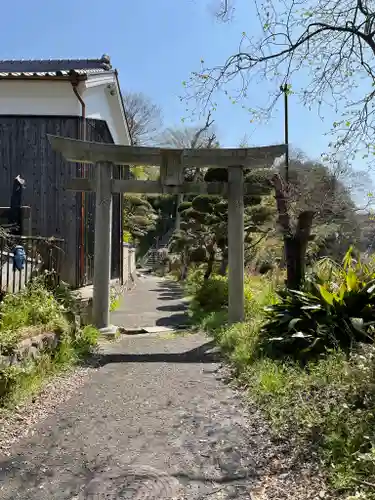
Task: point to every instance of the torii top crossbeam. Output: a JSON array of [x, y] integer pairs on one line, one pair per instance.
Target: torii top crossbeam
[[96, 152]]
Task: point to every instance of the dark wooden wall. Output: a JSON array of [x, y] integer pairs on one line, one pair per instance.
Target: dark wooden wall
[[97, 131], [25, 150]]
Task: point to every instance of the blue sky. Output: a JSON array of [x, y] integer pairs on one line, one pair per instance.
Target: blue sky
[[155, 45]]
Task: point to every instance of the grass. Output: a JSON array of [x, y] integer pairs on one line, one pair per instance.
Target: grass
[[25, 314], [115, 298], [35, 310], [21, 382], [326, 407]]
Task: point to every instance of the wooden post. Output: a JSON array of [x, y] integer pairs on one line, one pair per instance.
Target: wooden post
[[26, 221], [179, 200], [236, 261], [172, 174], [102, 249]]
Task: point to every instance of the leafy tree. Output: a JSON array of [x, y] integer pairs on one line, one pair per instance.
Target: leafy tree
[[144, 122], [203, 236], [334, 42], [314, 187], [139, 217]]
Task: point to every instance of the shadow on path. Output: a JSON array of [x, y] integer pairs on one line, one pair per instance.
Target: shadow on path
[[174, 320], [153, 302], [173, 307], [206, 353]]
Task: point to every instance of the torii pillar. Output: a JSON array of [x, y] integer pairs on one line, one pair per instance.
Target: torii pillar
[[102, 249]]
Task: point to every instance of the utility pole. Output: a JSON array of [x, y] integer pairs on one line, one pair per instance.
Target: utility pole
[[285, 90]]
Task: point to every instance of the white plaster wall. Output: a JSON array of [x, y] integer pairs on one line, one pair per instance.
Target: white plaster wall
[[98, 106], [57, 98], [37, 98]]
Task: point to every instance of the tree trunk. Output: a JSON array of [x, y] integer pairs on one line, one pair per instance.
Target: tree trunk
[[302, 237], [223, 266], [210, 266], [184, 267], [295, 243], [180, 199]]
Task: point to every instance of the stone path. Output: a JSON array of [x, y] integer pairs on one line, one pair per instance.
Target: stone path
[[153, 422], [153, 302]]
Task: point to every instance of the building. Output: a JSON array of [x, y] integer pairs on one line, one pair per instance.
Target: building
[[80, 99]]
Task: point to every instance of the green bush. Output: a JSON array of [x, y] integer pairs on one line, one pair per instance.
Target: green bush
[[212, 295], [19, 382], [40, 307], [194, 280], [34, 306], [334, 313], [28, 311], [86, 340]]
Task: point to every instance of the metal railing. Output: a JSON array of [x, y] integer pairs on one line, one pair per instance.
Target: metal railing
[[153, 255], [42, 255]]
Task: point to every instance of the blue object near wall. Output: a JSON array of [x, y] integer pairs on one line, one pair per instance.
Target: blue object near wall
[[19, 258]]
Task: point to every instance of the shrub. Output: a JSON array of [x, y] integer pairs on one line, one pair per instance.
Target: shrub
[[61, 291], [21, 381], [212, 294], [194, 280], [26, 312], [86, 340], [327, 314], [325, 407], [40, 307]]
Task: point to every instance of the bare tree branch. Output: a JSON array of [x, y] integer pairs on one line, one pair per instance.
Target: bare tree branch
[[333, 40], [143, 116]]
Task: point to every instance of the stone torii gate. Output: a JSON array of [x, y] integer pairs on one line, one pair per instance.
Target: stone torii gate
[[172, 163]]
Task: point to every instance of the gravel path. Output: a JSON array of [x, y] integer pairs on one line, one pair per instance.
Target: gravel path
[[155, 421], [20, 421]]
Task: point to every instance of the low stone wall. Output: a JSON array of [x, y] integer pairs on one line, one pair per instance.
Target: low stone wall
[[128, 264], [31, 348]]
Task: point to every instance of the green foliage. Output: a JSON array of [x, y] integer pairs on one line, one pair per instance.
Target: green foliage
[[139, 217], [85, 341], [327, 314], [204, 221], [326, 404], [40, 307], [212, 295], [27, 311], [115, 297], [20, 382], [329, 405]]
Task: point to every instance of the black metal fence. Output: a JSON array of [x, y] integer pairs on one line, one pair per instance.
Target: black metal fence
[[85, 203], [41, 255]]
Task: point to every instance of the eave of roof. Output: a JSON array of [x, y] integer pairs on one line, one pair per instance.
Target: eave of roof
[[123, 109], [61, 69], [54, 67]]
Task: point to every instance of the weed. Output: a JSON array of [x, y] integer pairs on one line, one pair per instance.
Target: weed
[[40, 307], [326, 406]]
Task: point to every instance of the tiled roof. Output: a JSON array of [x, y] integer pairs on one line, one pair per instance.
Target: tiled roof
[[54, 67]]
